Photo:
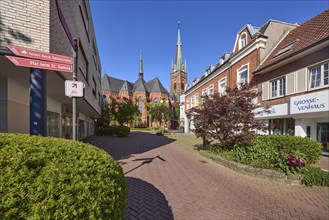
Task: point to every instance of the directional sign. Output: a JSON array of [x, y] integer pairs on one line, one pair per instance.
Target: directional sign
[[18, 61], [65, 26], [74, 88], [19, 51]]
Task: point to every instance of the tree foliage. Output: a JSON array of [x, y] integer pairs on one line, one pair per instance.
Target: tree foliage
[[104, 120], [160, 113], [228, 119], [124, 112]]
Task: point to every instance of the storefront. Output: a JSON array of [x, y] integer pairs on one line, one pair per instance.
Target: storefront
[[311, 112]]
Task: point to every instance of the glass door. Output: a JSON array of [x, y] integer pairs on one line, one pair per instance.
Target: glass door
[[323, 134]]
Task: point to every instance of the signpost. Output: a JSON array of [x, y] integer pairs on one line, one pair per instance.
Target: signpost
[[74, 88], [34, 54], [39, 64]]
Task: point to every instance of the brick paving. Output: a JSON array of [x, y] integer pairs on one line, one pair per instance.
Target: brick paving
[[166, 181]]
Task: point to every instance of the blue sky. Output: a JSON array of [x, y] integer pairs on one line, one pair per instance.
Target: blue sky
[[208, 29]]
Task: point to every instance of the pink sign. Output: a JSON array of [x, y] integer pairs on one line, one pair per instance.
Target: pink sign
[[19, 51], [18, 61]]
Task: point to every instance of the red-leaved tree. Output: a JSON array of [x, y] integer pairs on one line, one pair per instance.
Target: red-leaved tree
[[228, 119]]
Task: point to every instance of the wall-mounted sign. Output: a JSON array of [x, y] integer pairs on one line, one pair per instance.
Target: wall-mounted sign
[[74, 88], [312, 102], [273, 111], [39, 64]]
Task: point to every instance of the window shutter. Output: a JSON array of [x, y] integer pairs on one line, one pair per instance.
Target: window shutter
[[290, 83], [301, 80], [265, 91]]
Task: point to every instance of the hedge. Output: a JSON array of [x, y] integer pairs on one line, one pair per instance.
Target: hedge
[[120, 131], [51, 178], [287, 144]]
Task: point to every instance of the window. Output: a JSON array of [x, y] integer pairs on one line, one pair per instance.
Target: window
[[85, 17], [140, 105], [94, 87], [243, 75], [196, 97], [204, 93], [222, 86], [175, 85], [211, 90], [183, 85], [319, 76], [243, 40], [278, 87], [284, 49], [83, 63]]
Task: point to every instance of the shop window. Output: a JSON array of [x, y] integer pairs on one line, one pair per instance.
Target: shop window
[[323, 134], [276, 126], [278, 87], [67, 127], [308, 131], [53, 124], [319, 76], [290, 126], [81, 129]]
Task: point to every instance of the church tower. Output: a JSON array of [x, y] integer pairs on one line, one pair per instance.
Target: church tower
[[178, 74]]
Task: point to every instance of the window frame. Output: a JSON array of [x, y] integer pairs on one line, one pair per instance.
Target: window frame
[[220, 82], [213, 90], [321, 76], [278, 87], [241, 70], [241, 41]]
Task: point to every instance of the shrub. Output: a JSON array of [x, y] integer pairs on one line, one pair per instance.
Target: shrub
[[51, 178], [121, 131], [104, 131], [287, 144], [314, 176]]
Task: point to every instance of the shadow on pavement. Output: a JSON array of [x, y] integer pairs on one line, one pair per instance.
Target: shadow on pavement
[[145, 201], [124, 147]]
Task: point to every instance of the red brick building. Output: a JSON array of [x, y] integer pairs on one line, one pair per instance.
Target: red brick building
[[294, 80], [252, 45]]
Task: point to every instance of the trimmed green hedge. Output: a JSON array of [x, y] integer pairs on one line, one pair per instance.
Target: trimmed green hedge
[[120, 131], [287, 144], [51, 178]]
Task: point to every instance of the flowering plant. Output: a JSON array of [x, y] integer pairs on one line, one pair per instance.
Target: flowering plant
[[293, 163]]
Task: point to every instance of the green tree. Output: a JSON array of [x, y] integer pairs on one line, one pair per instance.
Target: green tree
[[160, 113], [104, 120], [125, 111]]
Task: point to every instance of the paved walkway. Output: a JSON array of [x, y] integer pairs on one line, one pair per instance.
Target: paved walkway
[[166, 181]]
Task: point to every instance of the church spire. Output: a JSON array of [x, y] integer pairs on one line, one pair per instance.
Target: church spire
[[140, 72], [179, 65]]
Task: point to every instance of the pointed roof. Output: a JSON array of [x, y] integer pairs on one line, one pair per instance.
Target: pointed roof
[[111, 84], [301, 38], [127, 86], [156, 86], [178, 63], [139, 85], [140, 72]]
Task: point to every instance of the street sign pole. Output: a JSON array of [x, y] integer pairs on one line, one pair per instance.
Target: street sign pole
[[74, 99]]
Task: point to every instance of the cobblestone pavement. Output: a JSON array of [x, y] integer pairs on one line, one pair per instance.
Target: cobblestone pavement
[[166, 181]]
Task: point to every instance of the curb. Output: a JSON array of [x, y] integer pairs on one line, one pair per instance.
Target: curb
[[290, 179]]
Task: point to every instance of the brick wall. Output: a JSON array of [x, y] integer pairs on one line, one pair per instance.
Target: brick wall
[[24, 23]]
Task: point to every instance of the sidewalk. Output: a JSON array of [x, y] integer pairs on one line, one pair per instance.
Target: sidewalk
[[323, 163]]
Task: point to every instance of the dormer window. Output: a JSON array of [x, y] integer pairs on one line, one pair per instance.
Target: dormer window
[[243, 40]]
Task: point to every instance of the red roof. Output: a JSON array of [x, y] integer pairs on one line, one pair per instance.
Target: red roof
[[302, 37]]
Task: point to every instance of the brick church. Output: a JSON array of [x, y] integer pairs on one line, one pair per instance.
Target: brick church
[[151, 91]]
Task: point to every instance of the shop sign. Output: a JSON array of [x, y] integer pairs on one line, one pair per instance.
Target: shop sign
[[275, 110], [312, 102]]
